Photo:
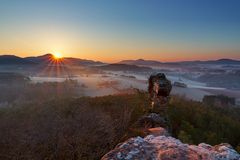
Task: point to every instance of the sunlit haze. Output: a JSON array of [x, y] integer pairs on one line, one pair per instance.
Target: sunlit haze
[[111, 31], [57, 55]]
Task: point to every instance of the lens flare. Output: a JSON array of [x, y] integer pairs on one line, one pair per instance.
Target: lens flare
[[57, 55]]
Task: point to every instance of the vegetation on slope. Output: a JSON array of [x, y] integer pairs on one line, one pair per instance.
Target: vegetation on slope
[[194, 123], [87, 128], [83, 128]]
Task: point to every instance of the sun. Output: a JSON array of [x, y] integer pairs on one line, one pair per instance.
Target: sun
[[57, 55]]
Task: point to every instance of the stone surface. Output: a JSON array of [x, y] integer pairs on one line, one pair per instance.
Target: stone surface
[[152, 120], [161, 146], [158, 131]]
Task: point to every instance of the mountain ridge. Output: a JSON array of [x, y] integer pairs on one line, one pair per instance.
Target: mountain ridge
[[153, 62], [44, 59], [14, 60]]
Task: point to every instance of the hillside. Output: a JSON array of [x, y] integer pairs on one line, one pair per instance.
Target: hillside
[[14, 60], [33, 129], [81, 62], [48, 58], [45, 59], [140, 62], [197, 62]]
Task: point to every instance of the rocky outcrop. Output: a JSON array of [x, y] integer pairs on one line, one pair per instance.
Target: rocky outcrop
[[158, 145], [152, 120]]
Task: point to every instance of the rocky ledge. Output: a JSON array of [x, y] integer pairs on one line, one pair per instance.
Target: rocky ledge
[[159, 145]]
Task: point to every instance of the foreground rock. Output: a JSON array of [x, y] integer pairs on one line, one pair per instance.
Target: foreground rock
[[161, 146]]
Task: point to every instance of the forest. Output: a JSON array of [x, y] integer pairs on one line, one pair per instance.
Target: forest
[[67, 127]]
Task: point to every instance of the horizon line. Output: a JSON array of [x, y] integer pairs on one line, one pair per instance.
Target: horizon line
[[134, 59]]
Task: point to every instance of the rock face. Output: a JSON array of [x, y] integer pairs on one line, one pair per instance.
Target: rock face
[[152, 120], [161, 146]]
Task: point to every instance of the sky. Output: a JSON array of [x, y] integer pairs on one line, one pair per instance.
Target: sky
[[113, 30]]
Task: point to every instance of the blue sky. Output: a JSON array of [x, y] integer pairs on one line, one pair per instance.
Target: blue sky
[[111, 30]]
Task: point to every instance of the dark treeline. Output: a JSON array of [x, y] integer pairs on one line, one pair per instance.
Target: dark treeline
[[16, 88]]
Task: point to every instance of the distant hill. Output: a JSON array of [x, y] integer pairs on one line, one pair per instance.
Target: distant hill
[[216, 62], [140, 62], [158, 63], [225, 61], [124, 67], [14, 60], [84, 62], [48, 59]]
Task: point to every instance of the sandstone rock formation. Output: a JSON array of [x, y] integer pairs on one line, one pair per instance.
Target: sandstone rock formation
[[158, 145]]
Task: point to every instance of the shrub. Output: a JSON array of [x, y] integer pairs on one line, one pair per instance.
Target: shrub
[[195, 122]]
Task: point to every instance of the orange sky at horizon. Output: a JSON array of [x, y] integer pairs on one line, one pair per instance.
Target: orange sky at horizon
[[112, 57], [109, 48]]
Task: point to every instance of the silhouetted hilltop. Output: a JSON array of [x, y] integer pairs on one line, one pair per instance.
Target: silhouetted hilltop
[[156, 63], [14, 60], [81, 62], [225, 61], [41, 59], [140, 62], [46, 59]]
